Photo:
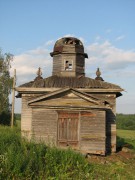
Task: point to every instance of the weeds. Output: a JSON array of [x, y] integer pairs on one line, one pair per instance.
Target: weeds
[[20, 159]]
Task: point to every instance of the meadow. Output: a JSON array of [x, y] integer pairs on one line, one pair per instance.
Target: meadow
[[20, 159]]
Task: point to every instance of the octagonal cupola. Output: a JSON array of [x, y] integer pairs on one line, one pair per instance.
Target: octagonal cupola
[[68, 57]]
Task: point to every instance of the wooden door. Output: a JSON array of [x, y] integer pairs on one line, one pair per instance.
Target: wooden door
[[68, 129]]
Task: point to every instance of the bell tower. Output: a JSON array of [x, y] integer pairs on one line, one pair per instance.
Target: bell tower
[[68, 57]]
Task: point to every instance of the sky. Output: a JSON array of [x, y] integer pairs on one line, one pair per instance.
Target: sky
[[30, 28]]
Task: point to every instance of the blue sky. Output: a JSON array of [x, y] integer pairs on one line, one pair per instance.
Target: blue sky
[[29, 29]]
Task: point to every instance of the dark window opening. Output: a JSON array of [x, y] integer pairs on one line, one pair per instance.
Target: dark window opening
[[68, 66]]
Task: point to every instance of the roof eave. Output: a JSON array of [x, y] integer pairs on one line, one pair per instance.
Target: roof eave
[[32, 89]]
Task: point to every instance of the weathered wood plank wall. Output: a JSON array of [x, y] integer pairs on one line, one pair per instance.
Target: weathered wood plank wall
[[57, 64], [44, 125], [80, 64], [26, 117], [110, 121], [93, 128], [93, 132]]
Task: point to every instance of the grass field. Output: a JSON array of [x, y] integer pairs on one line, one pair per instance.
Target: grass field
[[20, 159], [18, 124], [120, 165], [127, 134], [126, 137]]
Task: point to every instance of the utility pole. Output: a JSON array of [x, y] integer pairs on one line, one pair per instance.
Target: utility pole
[[13, 98]]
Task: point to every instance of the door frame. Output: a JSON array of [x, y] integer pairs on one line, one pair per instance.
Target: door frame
[[75, 144]]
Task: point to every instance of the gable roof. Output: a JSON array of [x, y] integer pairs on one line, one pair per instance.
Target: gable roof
[[82, 95], [72, 82]]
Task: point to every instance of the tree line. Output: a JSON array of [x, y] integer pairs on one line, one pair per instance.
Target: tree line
[[125, 121], [5, 87]]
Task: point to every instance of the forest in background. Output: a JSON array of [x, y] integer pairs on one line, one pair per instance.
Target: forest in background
[[125, 121]]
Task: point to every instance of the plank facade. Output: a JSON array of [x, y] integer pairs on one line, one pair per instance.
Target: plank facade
[[69, 109]]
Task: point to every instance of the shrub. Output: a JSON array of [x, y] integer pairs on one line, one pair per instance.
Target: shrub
[[5, 118]]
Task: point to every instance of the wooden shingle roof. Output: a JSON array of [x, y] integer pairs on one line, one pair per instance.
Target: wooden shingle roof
[[72, 82]]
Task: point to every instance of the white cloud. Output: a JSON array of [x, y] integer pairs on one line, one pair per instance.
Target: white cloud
[[119, 38], [104, 55], [26, 64], [109, 57], [38, 51]]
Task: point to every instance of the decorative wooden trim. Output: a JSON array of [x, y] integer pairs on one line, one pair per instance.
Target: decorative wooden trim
[[80, 94], [31, 90], [71, 107]]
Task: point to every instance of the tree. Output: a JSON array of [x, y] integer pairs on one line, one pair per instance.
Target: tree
[[5, 87]]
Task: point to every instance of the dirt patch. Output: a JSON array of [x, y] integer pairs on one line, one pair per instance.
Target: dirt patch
[[116, 157]]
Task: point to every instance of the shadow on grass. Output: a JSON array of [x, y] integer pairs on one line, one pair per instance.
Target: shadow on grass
[[121, 142], [5, 118]]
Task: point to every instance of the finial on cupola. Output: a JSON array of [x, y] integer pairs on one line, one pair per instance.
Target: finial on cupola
[[98, 73], [39, 74]]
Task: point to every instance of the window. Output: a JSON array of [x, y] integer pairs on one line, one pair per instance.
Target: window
[[68, 66]]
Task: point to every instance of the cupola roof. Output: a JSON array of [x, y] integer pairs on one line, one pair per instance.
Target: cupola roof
[[68, 45]]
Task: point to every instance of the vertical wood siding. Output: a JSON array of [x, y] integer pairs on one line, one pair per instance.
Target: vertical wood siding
[[68, 129]]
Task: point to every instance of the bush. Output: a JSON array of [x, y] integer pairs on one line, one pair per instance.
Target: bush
[[5, 118]]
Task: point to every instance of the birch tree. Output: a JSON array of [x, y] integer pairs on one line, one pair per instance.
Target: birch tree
[[5, 86]]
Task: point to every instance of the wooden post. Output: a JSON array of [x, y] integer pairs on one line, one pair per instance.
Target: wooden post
[[13, 98]]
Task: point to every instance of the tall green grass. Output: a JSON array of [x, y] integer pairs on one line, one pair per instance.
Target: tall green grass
[[20, 159], [126, 138]]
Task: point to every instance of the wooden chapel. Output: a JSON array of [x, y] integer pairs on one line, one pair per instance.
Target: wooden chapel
[[69, 109]]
